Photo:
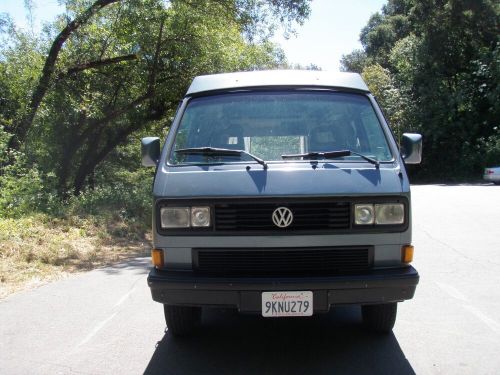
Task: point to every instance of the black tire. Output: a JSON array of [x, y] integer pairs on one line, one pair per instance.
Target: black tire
[[182, 320], [380, 318]]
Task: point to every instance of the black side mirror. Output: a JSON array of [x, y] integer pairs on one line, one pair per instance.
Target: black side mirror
[[150, 151], [411, 148]]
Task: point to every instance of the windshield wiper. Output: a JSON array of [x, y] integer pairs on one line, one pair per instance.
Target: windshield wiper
[[214, 151], [331, 155]]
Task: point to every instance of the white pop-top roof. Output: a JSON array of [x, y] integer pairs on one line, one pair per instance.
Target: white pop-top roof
[[278, 78]]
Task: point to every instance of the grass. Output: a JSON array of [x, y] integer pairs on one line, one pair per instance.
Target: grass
[[41, 248]]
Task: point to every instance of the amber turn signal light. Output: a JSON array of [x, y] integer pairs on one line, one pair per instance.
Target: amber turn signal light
[[407, 253], [157, 257]]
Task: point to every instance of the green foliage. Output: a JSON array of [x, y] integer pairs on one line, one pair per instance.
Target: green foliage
[[24, 188], [491, 145], [355, 61], [380, 83], [434, 66], [4, 140], [403, 60], [21, 188], [117, 192]]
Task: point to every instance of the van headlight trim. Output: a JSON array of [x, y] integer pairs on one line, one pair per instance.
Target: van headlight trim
[[185, 217], [379, 214], [200, 216], [364, 214]]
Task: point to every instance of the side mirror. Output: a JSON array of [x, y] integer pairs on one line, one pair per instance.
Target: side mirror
[[411, 148], [150, 151]]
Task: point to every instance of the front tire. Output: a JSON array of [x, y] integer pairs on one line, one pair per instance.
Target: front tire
[[182, 320], [380, 318]]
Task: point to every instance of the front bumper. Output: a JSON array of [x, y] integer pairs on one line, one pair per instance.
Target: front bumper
[[244, 293]]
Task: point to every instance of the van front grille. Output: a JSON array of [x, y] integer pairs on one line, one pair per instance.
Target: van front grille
[[283, 261], [257, 216]]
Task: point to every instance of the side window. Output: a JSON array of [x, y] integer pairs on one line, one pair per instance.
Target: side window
[[375, 137]]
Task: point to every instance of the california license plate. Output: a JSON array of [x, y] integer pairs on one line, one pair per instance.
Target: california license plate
[[279, 304]]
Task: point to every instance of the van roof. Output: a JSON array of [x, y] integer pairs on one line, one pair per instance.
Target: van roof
[[277, 78]]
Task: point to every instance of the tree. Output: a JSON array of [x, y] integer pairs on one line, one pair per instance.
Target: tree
[[248, 14], [354, 62], [41, 88], [122, 66], [381, 84], [441, 58]]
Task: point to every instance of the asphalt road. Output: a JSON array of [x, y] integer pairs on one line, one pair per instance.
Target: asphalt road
[[104, 321]]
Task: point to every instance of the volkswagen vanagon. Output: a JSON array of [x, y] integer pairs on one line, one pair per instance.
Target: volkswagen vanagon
[[281, 193]]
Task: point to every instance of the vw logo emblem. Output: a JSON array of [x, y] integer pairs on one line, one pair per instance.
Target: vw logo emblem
[[282, 217]]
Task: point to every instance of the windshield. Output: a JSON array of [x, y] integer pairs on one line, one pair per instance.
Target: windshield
[[271, 124]]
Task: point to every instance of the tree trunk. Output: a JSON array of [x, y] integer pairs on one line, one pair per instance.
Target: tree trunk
[[88, 166], [91, 159]]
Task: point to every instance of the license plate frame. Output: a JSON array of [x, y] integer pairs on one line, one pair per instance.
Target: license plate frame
[[282, 304]]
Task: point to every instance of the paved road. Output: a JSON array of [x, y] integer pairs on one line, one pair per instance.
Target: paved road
[[104, 322]]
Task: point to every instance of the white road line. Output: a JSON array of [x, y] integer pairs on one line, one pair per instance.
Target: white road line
[[455, 293], [495, 326], [96, 329], [100, 325], [125, 296], [452, 291]]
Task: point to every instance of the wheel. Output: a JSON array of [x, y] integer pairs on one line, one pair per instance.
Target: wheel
[[182, 320], [380, 318]]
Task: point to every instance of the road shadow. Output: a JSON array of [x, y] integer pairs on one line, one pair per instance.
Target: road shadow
[[230, 343]]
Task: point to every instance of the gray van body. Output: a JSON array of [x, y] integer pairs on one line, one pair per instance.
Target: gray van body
[[178, 283]]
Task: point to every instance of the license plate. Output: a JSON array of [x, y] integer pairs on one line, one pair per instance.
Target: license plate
[[278, 304]]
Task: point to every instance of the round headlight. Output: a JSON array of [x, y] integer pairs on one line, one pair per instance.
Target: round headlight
[[200, 216], [363, 214]]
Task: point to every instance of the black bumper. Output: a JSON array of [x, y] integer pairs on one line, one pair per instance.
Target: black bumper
[[185, 288]]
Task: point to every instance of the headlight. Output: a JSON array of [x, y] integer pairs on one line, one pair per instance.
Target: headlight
[[379, 214], [184, 217], [363, 214], [175, 217], [387, 214], [200, 216]]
